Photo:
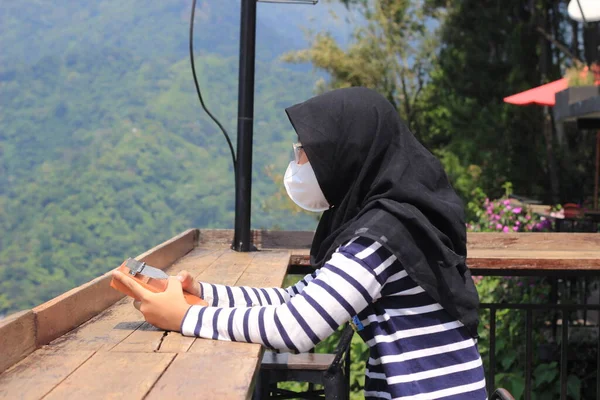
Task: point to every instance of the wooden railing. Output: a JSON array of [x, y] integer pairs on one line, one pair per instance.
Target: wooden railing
[[51, 325]]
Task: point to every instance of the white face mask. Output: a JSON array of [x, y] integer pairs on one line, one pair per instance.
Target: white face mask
[[301, 185]]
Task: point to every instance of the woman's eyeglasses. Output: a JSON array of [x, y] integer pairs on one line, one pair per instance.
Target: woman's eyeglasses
[[298, 152]]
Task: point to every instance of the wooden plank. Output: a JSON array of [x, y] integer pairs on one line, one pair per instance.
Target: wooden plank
[[104, 331], [146, 337], [17, 338], [262, 239], [209, 376], [39, 373], [267, 269], [228, 268], [517, 259], [71, 309], [233, 365], [305, 361], [286, 239], [582, 255], [174, 342], [205, 347], [114, 375], [513, 241], [533, 241], [487, 266], [223, 267], [117, 323], [215, 237]]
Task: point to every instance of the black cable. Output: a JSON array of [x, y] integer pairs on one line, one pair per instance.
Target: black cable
[[198, 86]]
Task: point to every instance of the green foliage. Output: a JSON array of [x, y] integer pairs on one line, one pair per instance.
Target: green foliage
[[502, 215], [510, 339], [464, 179], [392, 52], [489, 53], [582, 75], [105, 154], [151, 30]]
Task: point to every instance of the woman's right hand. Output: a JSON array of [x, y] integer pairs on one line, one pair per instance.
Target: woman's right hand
[[189, 284]]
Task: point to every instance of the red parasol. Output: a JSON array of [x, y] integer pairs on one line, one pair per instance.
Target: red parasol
[[541, 95]]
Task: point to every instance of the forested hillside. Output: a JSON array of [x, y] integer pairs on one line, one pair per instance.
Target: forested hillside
[[104, 149]]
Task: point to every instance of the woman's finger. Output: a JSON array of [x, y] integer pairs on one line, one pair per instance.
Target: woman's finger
[[184, 277], [137, 304], [188, 283], [139, 292], [174, 285]]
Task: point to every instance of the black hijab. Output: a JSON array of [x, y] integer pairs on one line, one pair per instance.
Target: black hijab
[[384, 185]]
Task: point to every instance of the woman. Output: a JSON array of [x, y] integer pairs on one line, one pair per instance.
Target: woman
[[390, 248]]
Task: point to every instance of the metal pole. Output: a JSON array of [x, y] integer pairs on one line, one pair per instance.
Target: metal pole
[[597, 170], [243, 173]]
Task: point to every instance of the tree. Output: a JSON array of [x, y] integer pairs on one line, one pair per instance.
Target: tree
[[392, 52], [447, 65]]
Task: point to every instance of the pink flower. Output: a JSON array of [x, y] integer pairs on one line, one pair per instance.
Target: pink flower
[[506, 229], [515, 228], [528, 217], [477, 279], [517, 210], [517, 223], [498, 226], [506, 202]]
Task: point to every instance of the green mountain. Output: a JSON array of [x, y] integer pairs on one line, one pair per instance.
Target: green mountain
[[104, 149]]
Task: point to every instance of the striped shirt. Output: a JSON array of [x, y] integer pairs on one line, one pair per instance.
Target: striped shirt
[[417, 350]]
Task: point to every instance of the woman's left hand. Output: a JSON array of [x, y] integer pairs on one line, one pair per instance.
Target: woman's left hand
[[164, 310]]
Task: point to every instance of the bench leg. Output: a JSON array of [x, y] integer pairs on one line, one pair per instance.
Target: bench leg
[[336, 386], [261, 390]]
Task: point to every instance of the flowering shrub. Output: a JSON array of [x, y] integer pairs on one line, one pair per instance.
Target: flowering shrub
[[582, 75], [502, 216]]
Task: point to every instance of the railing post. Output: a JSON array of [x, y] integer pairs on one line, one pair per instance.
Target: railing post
[[528, 352], [492, 366], [564, 354]]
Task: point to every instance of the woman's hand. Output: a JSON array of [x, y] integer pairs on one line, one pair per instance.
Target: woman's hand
[[164, 310], [189, 284]]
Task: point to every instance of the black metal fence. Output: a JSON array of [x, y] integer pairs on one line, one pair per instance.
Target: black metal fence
[[570, 292]]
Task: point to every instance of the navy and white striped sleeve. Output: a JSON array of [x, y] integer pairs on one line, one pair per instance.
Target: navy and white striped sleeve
[[345, 285], [235, 296]]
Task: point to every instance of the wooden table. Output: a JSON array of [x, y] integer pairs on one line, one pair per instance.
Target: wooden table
[[500, 254], [118, 355], [90, 343]]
